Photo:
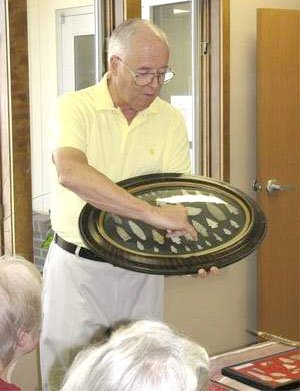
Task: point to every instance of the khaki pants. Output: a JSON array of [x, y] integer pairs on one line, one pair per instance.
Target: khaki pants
[[81, 299]]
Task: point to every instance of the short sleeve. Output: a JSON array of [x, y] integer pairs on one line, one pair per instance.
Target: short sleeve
[[68, 128]]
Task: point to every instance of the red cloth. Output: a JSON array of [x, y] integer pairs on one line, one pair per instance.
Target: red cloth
[[4, 386]]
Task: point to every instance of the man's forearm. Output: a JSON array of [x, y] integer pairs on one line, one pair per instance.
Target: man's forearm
[[77, 175]]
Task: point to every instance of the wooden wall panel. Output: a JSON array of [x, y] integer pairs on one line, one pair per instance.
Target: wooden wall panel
[[16, 160], [225, 82], [132, 9], [5, 195]]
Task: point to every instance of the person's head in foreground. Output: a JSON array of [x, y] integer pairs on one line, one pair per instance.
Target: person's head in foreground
[[144, 356], [20, 309]]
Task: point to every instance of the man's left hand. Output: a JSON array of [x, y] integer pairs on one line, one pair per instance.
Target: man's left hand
[[214, 271]]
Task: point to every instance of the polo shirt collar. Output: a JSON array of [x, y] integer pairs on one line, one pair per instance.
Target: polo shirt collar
[[103, 100]]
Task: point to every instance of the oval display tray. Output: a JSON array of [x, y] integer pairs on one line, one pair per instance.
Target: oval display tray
[[229, 223]]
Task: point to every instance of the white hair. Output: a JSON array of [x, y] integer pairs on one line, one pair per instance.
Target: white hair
[[146, 355], [20, 298], [119, 43]]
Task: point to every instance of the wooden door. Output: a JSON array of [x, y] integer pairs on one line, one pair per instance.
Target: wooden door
[[278, 158]]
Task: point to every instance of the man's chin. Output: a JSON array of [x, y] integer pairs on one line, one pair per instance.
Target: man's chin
[[144, 104]]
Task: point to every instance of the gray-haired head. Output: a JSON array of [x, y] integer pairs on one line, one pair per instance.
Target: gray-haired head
[[146, 355], [20, 308], [120, 41]]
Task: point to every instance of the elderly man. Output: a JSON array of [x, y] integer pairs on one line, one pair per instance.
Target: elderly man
[[114, 130]]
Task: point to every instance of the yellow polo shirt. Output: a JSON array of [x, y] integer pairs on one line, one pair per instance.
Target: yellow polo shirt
[[155, 142]]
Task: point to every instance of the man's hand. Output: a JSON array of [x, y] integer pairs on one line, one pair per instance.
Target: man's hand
[[172, 218], [214, 271]]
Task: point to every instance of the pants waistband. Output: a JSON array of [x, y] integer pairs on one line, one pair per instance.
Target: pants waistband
[[77, 250]]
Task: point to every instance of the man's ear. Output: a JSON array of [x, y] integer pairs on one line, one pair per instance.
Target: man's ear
[[113, 64]]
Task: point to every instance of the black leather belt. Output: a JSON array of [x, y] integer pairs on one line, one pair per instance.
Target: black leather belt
[[73, 249]]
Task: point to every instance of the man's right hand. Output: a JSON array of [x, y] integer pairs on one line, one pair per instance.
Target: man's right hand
[[172, 218]]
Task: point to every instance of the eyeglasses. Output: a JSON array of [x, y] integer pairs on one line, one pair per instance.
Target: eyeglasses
[[143, 78]]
